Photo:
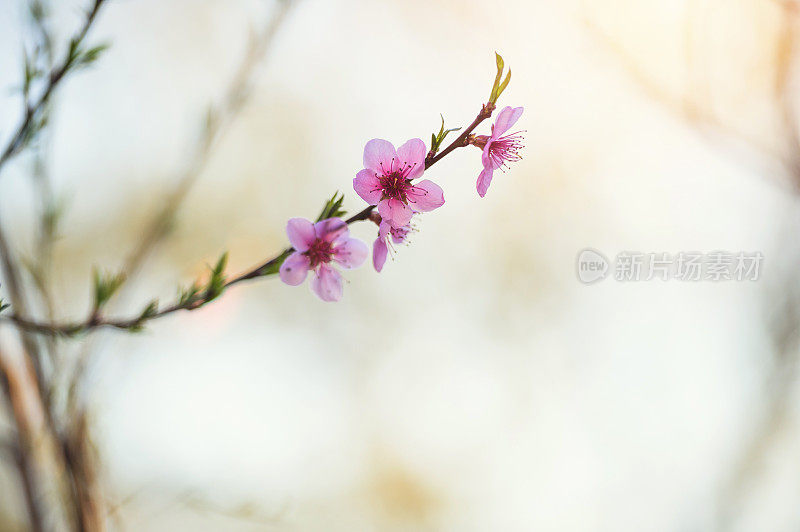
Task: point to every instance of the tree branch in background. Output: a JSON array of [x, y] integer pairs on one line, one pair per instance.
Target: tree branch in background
[[20, 450], [32, 120], [216, 123]]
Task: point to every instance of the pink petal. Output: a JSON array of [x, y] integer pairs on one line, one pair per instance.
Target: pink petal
[[395, 212], [331, 229], [486, 160], [351, 253], [484, 180], [301, 233], [412, 154], [507, 118], [327, 283], [368, 186], [379, 252], [425, 196], [379, 156], [295, 269], [383, 229]]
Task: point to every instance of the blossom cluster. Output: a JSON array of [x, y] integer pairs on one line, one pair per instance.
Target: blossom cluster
[[391, 184]]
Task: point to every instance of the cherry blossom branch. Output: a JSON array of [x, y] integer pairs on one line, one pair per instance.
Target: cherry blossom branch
[[197, 298], [199, 295], [192, 302]]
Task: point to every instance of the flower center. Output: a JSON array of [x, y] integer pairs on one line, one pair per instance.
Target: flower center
[[506, 149], [400, 233], [320, 252], [395, 186], [394, 182]]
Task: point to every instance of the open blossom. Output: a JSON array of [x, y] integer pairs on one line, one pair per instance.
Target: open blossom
[[380, 249], [317, 246], [498, 149], [386, 181]]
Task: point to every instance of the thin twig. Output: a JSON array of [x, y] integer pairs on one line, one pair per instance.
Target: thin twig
[[32, 119], [21, 449], [462, 140], [98, 321], [54, 78], [217, 123], [234, 100]]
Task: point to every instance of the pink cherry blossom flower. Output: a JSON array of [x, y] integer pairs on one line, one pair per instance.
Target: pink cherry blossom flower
[[380, 248], [386, 181], [317, 246], [498, 149]]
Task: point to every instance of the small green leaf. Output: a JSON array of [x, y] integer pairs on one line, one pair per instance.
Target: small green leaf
[[211, 119], [105, 285], [38, 12], [504, 84], [438, 138], [216, 283], [149, 311], [87, 57], [498, 87], [31, 72], [221, 263], [333, 208], [187, 295], [51, 217], [275, 266], [500, 66], [72, 55]]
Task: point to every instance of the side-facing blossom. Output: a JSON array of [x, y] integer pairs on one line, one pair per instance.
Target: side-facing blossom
[[380, 248], [386, 181], [498, 149], [317, 246]]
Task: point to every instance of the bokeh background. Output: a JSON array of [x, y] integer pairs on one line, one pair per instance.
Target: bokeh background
[[475, 384]]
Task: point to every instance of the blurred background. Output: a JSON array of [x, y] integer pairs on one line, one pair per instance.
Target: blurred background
[[474, 384]]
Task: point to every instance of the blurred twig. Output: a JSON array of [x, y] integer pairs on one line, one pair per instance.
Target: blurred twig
[[33, 121], [216, 123], [247, 511], [21, 450], [34, 109]]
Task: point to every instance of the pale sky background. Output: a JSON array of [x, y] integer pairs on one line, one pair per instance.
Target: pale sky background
[[475, 384]]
